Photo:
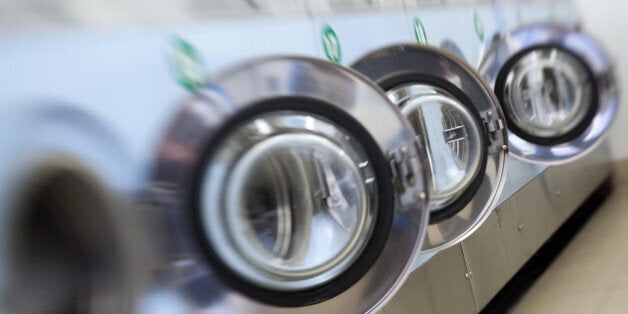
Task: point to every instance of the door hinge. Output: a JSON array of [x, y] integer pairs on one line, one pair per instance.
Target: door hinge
[[401, 162], [493, 126]]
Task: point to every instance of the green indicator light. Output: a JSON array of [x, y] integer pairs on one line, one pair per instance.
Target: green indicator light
[[186, 64], [419, 32], [331, 44], [479, 26]]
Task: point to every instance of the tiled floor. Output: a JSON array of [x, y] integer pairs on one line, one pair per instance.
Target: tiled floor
[[591, 274]]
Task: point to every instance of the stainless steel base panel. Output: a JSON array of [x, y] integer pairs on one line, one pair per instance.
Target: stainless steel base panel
[[464, 278]]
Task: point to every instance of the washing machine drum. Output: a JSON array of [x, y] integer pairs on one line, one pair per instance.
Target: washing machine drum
[[557, 89], [460, 127], [302, 187]]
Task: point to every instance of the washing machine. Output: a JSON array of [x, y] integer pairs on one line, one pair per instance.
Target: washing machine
[[295, 198], [459, 124], [540, 63]]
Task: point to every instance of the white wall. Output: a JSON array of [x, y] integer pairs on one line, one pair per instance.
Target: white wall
[[607, 20]]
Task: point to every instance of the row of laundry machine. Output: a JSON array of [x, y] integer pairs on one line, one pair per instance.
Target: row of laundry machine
[[251, 157]]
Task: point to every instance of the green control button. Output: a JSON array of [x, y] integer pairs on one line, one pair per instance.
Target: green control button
[[479, 26], [186, 64], [331, 44], [419, 32]]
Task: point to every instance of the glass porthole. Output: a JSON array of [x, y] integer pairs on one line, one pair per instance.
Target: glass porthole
[[451, 137], [548, 92], [289, 199]]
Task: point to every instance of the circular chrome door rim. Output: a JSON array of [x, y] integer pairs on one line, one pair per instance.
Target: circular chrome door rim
[[264, 80], [582, 46], [399, 64]]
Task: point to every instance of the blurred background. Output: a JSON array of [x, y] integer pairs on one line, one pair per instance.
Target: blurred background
[[606, 21]]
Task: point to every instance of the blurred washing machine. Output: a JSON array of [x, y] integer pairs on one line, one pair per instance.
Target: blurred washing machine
[[557, 87], [281, 191]]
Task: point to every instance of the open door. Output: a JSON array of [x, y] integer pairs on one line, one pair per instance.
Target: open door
[[460, 128], [557, 88], [293, 185]]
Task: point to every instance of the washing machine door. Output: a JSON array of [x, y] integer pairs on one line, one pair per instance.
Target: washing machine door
[[557, 88], [292, 185], [460, 127]]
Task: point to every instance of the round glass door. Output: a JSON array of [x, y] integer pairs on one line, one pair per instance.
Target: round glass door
[[557, 90], [547, 93], [450, 134], [459, 127], [292, 175], [290, 199]]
